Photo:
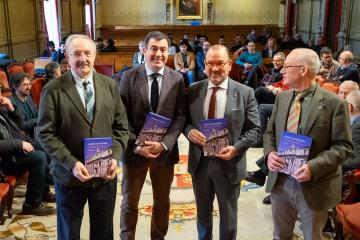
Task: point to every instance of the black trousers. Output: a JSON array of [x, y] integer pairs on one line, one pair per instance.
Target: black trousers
[[70, 202]]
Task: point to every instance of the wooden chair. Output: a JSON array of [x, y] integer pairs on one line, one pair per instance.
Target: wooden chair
[[106, 69], [347, 221]]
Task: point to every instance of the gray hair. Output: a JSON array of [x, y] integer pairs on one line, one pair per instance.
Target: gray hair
[[280, 54], [351, 84], [354, 98], [79, 36], [309, 58]]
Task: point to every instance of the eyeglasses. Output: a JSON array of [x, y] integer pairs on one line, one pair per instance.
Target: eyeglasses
[[286, 67], [79, 54], [217, 65]]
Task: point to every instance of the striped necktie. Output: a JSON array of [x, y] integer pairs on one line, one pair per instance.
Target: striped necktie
[[89, 100], [294, 115]]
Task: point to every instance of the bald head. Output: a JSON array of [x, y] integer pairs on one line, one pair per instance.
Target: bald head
[[346, 58], [346, 87], [353, 98], [308, 58], [219, 48]]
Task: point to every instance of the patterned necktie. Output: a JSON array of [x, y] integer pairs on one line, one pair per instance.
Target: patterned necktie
[[294, 115], [89, 100], [154, 98], [212, 104]]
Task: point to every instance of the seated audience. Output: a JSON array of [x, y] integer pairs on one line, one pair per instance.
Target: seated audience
[[200, 60], [270, 48], [59, 55], [329, 66], [348, 69], [19, 156], [251, 61], [198, 46], [184, 62], [139, 57], [251, 37], [52, 71], [311, 45], [173, 48], [267, 94], [353, 100], [99, 44], [110, 46], [286, 43], [346, 87], [221, 40], [50, 50], [64, 66], [297, 42], [237, 43]]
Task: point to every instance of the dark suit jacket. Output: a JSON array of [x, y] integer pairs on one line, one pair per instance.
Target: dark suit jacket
[[63, 124], [135, 60], [353, 162], [30, 119], [350, 72], [328, 126], [135, 96], [243, 125]]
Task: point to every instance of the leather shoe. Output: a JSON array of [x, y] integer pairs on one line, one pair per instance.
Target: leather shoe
[[49, 197], [267, 200], [257, 177], [39, 210]]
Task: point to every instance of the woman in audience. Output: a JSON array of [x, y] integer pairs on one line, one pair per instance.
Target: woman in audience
[[50, 50], [270, 48]]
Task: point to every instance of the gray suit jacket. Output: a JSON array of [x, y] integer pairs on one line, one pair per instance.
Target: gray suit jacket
[[135, 96], [353, 162], [63, 124], [328, 126], [243, 125]]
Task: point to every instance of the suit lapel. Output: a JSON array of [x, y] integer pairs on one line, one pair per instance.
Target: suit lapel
[[69, 87], [165, 88], [231, 99], [283, 112], [317, 104], [142, 85]]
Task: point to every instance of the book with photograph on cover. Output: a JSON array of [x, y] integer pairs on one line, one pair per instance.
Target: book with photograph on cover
[[294, 149], [154, 129], [98, 155], [217, 135], [267, 80]]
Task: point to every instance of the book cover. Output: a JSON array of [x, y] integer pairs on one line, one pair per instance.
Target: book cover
[[267, 80], [217, 135], [294, 149], [154, 129], [98, 155]]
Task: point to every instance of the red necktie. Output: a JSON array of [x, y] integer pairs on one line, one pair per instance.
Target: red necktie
[[212, 105]]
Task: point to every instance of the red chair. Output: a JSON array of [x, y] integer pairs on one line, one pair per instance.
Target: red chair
[[6, 91], [347, 212], [4, 198], [15, 69], [106, 69], [29, 68], [36, 87]]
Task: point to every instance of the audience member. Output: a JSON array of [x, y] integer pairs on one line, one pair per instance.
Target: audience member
[[311, 45], [59, 55], [64, 66], [297, 42], [198, 47], [19, 156], [139, 57], [165, 95], [353, 100], [286, 43], [237, 44], [251, 61], [99, 44], [270, 48], [348, 69], [251, 37], [184, 62], [316, 185], [200, 60], [328, 66], [50, 50], [110, 46], [173, 48], [52, 71], [70, 111], [220, 176], [346, 87], [221, 40]]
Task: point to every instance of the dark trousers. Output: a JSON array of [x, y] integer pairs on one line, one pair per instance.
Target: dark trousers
[[265, 111], [264, 96], [34, 162], [252, 78], [132, 183], [70, 202], [209, 180]]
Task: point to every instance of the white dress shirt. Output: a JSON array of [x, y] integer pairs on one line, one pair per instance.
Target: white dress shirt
[[221, 97], [160, 77], [80, 87]]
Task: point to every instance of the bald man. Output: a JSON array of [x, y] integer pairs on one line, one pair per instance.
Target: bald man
[[346, 87], [348, 69], [315, 187]]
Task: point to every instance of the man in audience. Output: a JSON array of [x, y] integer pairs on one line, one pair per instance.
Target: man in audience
[[346, 87], [251, 61], [152, 87], [19, 156], [329, 66], [237, 43], [311, 111], [184, 62], [297, 42], [82, 104], [200, 60], [139, 57], [348, 69], [64, 66], [353, 100], [222, 174]]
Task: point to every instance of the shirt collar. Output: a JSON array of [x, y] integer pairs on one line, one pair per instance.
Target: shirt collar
[[149, 71], [79, 81], [223, 85]]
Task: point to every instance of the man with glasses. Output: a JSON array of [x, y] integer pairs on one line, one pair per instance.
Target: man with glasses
[[151, 87], [82, 104], [348, 69], [218, 96], [311, 111]]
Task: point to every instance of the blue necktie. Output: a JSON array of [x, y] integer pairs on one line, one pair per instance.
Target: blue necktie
[[89, 99]]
